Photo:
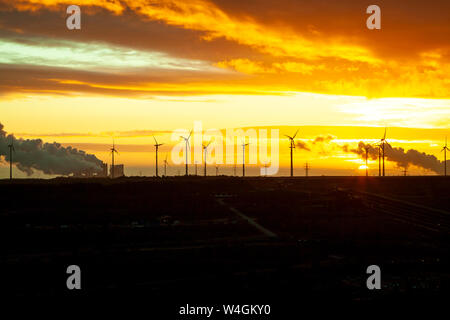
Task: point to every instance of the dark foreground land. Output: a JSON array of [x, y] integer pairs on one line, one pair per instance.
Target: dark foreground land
[[227, 240]]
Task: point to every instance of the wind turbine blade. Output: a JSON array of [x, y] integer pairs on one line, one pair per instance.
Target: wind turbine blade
[[295, 134], [288, 136], [190, 132], [156, 142], [384, 137]]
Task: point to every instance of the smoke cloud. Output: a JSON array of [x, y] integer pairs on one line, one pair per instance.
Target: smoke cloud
[[303, 146], [322, 139], [317, 142], [51, 158], [401, 157]]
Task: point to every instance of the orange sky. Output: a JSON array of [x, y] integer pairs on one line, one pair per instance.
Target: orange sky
[[141, 66]]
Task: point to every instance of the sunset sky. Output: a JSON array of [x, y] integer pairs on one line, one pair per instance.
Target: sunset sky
[[141, 68]]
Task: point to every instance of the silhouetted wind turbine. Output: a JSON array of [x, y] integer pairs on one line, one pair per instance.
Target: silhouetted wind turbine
[[445, 148], [157, 145], [113, 150], [379, 159], [292, 147], [383, 143], [165, 166], [367, 148], [11, 150], [205, 150], [186, 140], [243, 157]]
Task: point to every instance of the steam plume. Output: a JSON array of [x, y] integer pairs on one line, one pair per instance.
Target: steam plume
[[401, 157], [51, 158]]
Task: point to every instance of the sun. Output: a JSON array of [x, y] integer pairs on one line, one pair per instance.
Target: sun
[[363, 167]]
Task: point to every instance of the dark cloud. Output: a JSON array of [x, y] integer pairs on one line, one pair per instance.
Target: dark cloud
[[23, 78], [334, 33], [423, 23], [128, 30]]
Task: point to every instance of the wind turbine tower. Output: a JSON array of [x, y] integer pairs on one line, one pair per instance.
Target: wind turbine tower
[[366, 148], [292, 147], [186, 140], [165, 166], [113, 150], [445, 148], [205, 152], [383, 144], [243, 157], [11, 150], [157, 145], [379, 160]]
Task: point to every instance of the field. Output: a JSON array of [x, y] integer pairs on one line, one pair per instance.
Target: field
[[221, 238]]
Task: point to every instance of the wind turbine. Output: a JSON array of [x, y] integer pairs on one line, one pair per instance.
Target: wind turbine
[[383, 143], [243, 157], [165, 166], [11, 150], [157, 145], [186, 140], [113, 150], [205, 148], [379, 159], [445, 148], [292, 147], [367, 148]]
